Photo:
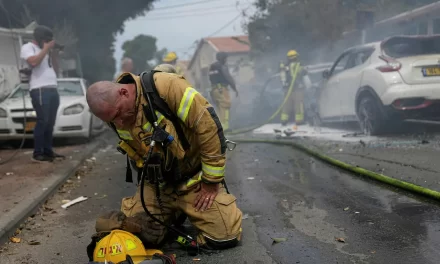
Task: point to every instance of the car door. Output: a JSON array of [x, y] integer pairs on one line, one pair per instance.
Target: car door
[[329, 100], [350, 81]]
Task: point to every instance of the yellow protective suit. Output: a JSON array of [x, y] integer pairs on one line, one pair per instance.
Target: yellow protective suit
[[295, 105], [205, 160]]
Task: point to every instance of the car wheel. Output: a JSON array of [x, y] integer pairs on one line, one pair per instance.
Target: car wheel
[[370, 118]]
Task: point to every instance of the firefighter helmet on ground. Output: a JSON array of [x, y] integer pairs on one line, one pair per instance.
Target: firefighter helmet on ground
[[292, 54], [117, 245], [170, 57]]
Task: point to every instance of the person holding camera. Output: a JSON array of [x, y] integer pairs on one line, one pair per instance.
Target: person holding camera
[[38, 54]]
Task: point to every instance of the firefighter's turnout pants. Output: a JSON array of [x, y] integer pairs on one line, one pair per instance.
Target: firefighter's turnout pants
[[222, 101], [294, 106], [219, 224]]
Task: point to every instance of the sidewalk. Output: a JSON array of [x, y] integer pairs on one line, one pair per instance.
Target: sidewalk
[[407, 158], [25, 185]]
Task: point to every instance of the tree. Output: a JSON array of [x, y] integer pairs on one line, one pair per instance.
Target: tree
[[94, 24], [312, 27], [140, 49]]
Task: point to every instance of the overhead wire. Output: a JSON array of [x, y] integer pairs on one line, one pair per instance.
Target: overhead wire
[[152, 12], [186, 4]]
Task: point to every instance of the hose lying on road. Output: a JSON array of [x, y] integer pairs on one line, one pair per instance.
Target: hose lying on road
[[357, 170]]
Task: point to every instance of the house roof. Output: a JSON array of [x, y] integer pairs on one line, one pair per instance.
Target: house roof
[[412, 14], [230, 44]]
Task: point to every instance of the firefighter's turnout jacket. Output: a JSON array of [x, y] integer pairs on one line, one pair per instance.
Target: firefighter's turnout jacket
[[198, 120]]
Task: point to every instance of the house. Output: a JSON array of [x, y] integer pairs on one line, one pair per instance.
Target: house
[[11, 41], [237, 48], [424, 20]]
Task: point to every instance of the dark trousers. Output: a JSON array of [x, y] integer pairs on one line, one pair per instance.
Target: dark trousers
[[45, 102]]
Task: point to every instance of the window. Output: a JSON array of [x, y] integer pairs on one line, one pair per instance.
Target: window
[[423, 28], [436, 26], [65, 88], [358, 58], [340, 64], [400, 47]]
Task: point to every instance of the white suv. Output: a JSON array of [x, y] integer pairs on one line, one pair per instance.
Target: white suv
[[379, 83]]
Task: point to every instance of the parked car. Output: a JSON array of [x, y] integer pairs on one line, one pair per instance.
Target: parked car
[[383, 83], [73, 118], [314, 72]]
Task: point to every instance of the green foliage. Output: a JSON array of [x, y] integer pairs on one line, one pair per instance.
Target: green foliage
[[94, 23], [141, 49], [309, 26]]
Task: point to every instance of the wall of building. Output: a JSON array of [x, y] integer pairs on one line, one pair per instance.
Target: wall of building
[[9, 57], [240, 66]]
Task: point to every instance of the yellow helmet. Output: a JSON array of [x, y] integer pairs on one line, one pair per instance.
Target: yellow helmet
[[292, 54], [118, 244], [170, 57]]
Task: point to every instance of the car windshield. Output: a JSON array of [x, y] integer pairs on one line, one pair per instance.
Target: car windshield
[[400, 47], [65, 88]]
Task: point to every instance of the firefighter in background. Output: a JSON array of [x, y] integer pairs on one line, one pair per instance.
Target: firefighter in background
[[220, 79], [171, 58], [291, 74]]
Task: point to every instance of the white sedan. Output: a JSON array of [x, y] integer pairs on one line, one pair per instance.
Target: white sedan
[[380, 84], [74, 119]]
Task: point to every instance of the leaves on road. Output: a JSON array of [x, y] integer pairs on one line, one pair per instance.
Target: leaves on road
[[34, 243], [278, 240], [15, 239], [340, 239]]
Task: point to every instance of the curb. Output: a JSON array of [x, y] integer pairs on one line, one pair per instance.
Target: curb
[[35, 199], [357, 170]]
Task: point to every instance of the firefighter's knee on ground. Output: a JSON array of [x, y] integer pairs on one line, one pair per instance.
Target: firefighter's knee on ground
[[210, 243], [221, 225]]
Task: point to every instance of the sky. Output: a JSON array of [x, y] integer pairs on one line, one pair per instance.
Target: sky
[[177, 24]]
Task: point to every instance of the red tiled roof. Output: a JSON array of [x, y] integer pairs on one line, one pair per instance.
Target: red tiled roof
[[230, 44]]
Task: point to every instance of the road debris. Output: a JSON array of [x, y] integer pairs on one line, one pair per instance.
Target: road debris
[[75, 201], [102, 197], [245, 216], [9, 173], [251, 178], [197, 259], [15, 239], [34, 243], [340, 239], [357, 212], [346, 208], [278, 240]]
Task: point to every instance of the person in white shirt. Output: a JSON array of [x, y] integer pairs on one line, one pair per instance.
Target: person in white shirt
[[43, 91]]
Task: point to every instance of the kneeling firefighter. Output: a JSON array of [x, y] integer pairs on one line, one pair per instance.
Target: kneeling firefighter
[[220, 79], [291, 74], [175, 138]]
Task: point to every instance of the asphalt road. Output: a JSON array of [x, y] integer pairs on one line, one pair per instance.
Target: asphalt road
[[283, 194]]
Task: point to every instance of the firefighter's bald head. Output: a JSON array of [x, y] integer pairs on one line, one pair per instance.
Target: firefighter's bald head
[[113, 102]]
